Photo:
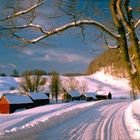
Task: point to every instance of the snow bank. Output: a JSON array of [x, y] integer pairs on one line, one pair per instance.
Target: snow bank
[[136, 107], [132, 119]]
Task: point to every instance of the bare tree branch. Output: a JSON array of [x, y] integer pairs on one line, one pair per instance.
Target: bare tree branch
[[137, 24], [24, 11], [110, 46], [114, 13], [19, 38], [67, 26], [122, 16], [31, 25]]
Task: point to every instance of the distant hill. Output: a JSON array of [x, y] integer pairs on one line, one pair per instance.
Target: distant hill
[[110, 61]]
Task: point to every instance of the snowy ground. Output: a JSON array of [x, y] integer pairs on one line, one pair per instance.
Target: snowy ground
[[116, 119], [132, 119], [102, 120]]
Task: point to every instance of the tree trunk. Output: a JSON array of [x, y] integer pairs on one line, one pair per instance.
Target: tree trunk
[[119, 22], [136, 59], [125, 52]]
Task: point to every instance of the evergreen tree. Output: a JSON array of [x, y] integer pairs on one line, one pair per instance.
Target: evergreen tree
[[15, 73], [2, 74]]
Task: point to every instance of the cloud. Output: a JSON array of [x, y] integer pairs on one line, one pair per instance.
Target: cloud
[[8, 66], [12, 65], [63, 57], [59, 56], [29, 52]]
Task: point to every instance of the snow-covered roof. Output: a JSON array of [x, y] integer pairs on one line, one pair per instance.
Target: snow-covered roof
[[74, 93], [102, 92], [15, 99], [38, 96], [90, 94], [1, 95]]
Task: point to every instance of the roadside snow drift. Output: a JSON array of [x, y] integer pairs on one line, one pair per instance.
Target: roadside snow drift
[[132, 119]]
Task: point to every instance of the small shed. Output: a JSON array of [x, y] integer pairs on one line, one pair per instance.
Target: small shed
[[11, 102], [72, 95], [39, 98], [48, 94], [88, 96], [103, 95]]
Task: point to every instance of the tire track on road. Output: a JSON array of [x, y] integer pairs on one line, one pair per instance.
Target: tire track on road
[[112, 127]]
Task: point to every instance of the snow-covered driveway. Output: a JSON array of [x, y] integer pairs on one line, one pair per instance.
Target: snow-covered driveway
[[101, 121]]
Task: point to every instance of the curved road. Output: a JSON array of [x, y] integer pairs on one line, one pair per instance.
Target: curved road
[[102, 121]]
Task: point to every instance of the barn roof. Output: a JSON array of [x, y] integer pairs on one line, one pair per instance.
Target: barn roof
[[38, 96], [90, 94], [74, 93], [1, 94], [15, 99], [102, 92]]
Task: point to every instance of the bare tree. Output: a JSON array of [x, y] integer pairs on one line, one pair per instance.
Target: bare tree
[[71, 83], [125, 22], [55, 85], [83, 87], [32, 81]]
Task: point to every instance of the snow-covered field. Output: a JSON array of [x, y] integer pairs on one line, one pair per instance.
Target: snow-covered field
[[77, 120], [99, 81]]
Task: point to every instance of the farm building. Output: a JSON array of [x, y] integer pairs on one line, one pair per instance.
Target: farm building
[[47, 93], [39, 98], [103, 95], [10, 103], [88, 96], [71, 95]]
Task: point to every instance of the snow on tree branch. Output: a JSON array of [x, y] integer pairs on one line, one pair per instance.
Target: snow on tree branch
[[137, 24], [111, 46], [24, 11], [31, 25], [65, 27]]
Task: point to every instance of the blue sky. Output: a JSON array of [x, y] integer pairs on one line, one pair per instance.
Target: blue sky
[[65, 52]]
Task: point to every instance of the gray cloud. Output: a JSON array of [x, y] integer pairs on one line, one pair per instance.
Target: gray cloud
[[8, 66]]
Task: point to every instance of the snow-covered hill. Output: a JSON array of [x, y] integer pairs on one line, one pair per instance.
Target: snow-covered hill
[[7, 82], [119, 87]]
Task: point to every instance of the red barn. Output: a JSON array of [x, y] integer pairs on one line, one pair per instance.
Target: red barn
[[10, 103]]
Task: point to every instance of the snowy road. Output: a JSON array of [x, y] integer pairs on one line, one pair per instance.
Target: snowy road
[[102, 121]]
